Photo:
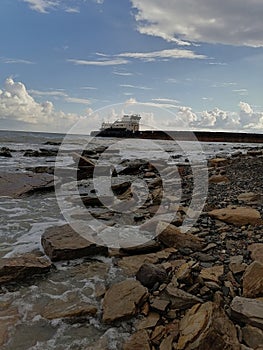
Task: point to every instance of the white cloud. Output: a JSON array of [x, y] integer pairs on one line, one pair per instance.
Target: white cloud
[[42, 6], [55, 93], [72, 10], [135, 87], [15, 61], [113, 62], [78, 100], [165, 100], [225, 22], [16, 104]]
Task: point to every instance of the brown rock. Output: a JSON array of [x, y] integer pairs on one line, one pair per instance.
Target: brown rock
[[249, 311], [218, 162], [149, 321], [171, 236], [248, 197], [138, 341], [150, 274], [122, 300], [252, 336], [256, 250], [159, 305], [238, 216], [207, 327], [212, 273], [236, 264], [9, 316], [253, 280], [22, 267], [167, 343], [63, 243], [216, 179]]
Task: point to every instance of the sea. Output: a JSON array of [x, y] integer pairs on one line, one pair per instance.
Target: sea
[[23, 221]]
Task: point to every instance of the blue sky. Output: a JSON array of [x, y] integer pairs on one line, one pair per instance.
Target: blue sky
[[194, 62]]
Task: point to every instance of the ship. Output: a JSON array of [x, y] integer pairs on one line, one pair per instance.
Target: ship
[[129, 127]]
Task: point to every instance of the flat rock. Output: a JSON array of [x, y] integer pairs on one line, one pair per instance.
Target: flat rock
[[236, 264], [249, 311], [207, 327], [171, 236], [22, 267], [148, 322], [216, 179], [122, 300], [212, 273], [256, 250], [218, 162], [63, 243], [252, 336], [18, 184], [138, 341], [238, 216], [150, 274], [248, 197], [253, 280]]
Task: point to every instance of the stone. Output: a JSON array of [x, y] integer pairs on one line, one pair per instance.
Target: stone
[[148, 322], [252, 336], [249, 311], [167, 343], [22, 267], [238, 216], [178, 298], [150, 274], [138, 341], [171, 236], [158, 334], [159, 305], [216, 179], [63, 243], [256, 250], [207, 327], [9, 316], [16, 185], [123, 300], [236, 264], [218, 162], [248, 197], [254, 152], [147, 247], [253, 280], [5, 152], [212, 273]]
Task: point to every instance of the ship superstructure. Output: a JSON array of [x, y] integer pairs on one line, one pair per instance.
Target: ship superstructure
[[129, 122]]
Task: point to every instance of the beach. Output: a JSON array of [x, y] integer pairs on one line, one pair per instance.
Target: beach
[[170, 257]]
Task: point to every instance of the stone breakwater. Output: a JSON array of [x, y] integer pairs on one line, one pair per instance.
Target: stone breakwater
[[202, 289]]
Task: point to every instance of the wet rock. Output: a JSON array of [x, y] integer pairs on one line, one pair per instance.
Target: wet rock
[[138, 341], [216, 179], [252, 336], [22, 267], [253, 280], [42, 169], [150, 274], [9, 316], [133, 167], [96, 201], [207, 327], [123, 300], [5, 152], [18, 184], [254, 152], [148, 247], [172, 236], [120, 188], [249, 311], [238, 216], [256, 250], [31, 153], [63, 243]]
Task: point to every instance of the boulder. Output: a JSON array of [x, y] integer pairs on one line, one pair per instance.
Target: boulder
[[18, 184], [238, 216], [171, 236], [256, 250], [123, 300], [253, 280], [22, 267], [249, 311], [252, 336], [63, 243], [5, 152], [207, 327], [150, 275]]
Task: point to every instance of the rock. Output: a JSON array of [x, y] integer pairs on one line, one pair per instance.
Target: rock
[[159, 305], [149, 321], [252, 336], [212, 273], [254, 152], [236, 264], [134, 167], [167, 343], [238, 216], [123, 300], [178, 298], [18, 184], [72, 307], [150, 274], [248, 197], [96, 202], [42, 169], [31, 153], [63, 243], [158, 334], [138, 341], [218, 162], [171, 236], [253, 280], [249, 311], [207, 327], [9, 316], [119, 189], [256, 250], [148, 247], [216, 179], [5, 152], [22, 267]]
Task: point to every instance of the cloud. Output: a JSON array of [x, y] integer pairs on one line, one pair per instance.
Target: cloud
[[72, 10], [113, 62], [42, 6], [17, 105], [15, 61], [135, 87], [165, 100], [55, 93], [204, 21], [78, 100]]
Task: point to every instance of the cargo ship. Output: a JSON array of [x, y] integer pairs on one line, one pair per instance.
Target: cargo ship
[[129, 127]]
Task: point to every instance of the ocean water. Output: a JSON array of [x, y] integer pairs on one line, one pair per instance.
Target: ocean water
[[23, 221]]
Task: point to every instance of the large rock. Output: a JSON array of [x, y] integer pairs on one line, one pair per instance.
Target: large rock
[[5, 152], [252, 336], [253, 280], [123, 300], [138, 341], [150, 274], [248, 197], [22, 267], [249, 311], [207, 327], [238, 216], [256, 250], [18, 184], [63, 243], [171, 236]]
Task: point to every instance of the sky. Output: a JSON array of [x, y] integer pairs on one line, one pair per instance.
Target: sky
[[191, 64]]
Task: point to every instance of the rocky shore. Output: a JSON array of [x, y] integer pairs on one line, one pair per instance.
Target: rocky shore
[[200, 289]]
